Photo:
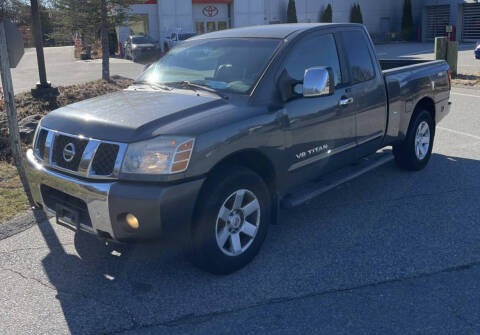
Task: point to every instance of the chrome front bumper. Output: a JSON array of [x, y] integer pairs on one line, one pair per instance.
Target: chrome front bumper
[[94, 194], [155, 205]]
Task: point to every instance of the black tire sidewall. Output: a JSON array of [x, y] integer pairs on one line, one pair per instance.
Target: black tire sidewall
[[205, 251], [406, 154]]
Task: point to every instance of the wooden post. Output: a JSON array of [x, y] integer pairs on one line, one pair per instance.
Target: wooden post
[[452, 56], [14, 134]]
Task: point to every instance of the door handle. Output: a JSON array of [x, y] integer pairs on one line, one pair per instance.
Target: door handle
[[345, 101]]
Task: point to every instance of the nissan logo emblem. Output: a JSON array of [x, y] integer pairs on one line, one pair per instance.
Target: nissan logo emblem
[[69, 152]]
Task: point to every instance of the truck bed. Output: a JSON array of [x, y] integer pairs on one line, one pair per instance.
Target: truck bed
[[407, 80], [390, 65]]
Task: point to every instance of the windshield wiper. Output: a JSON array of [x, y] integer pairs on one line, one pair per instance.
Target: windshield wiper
[[154, 85], [195, 87]]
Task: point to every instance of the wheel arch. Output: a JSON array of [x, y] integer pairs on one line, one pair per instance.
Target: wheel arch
[[426, 103], [254, 160]]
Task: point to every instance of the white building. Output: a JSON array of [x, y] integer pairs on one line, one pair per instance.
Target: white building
[[159, 18]]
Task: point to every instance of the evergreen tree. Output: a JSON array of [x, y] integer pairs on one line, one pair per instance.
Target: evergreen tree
[[327, 15], [353, 13], [360, 16], [291, 12], [356, 14], [407, 20]]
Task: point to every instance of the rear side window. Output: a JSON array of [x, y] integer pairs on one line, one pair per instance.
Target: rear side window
[[315, 50], [358, 56]]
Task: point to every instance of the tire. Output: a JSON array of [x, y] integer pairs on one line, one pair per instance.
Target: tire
[[414, 153], [219, 242]]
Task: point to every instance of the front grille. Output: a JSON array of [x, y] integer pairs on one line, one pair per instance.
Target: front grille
[[42, 138], [53, 197], [92, 158], [59, 144], [105, 157]]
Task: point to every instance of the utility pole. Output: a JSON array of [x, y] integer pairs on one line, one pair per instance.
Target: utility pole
[[105, 43], [38, 36], [43, 88]]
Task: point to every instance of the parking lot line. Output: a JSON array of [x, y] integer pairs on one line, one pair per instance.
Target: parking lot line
[[459, 132], [466, 95]]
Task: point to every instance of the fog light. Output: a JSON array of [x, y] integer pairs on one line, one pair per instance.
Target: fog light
[[132, 221]]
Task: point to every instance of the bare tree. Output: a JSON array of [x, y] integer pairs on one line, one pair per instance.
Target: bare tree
[[92, 20]]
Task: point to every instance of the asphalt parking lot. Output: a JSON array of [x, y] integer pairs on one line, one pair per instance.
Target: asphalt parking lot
[[63, 69], [391, 252]]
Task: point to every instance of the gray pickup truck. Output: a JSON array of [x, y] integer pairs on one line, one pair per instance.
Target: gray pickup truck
[[228, 127]]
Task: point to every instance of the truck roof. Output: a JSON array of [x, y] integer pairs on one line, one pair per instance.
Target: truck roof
[[270, 31]]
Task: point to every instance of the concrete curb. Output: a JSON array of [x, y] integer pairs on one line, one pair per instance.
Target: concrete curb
[[21, 223]]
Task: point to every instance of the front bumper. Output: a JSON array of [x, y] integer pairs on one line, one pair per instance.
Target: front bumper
[[159, 208]]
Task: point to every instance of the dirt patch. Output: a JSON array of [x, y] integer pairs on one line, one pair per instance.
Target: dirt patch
[[29, 106], [470, 80]]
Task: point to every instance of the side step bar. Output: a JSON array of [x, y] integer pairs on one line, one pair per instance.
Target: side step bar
[[337, 178]]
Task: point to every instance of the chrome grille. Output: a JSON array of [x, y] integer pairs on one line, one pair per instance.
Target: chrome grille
[[40, 143], [92, 158], [104, 161], [60, 142]]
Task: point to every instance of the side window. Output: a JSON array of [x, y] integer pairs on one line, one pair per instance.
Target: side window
[[316, 50], [358, 56]]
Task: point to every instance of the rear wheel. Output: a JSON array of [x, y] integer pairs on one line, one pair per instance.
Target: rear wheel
[[232, 221], [415, 151]]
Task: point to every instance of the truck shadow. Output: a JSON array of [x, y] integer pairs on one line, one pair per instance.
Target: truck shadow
[[325, 245]]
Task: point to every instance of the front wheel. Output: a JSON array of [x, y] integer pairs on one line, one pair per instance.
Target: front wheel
[[232, 221], [415, 151]]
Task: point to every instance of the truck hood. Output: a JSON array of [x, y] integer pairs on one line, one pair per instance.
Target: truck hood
[[130, 115]]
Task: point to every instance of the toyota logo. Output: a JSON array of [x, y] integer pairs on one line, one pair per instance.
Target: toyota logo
[[69, 152], [210, 11]]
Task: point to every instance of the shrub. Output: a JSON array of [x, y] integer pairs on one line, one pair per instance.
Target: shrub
[[327, 14], [291, 12], [407, 20], [356, 14]]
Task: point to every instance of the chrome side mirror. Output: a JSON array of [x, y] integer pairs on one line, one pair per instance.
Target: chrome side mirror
[[318, 82]]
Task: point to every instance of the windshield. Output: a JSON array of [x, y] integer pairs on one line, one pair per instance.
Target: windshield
[[142, 40], [228, 65]]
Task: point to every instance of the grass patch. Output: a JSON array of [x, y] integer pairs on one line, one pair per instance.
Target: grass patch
[[12, 197]]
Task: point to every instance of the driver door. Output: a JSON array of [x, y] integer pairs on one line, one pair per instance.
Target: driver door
[[320, 134]]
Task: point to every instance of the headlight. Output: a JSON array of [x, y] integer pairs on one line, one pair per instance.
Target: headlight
[[160, 155], [134, 46]]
